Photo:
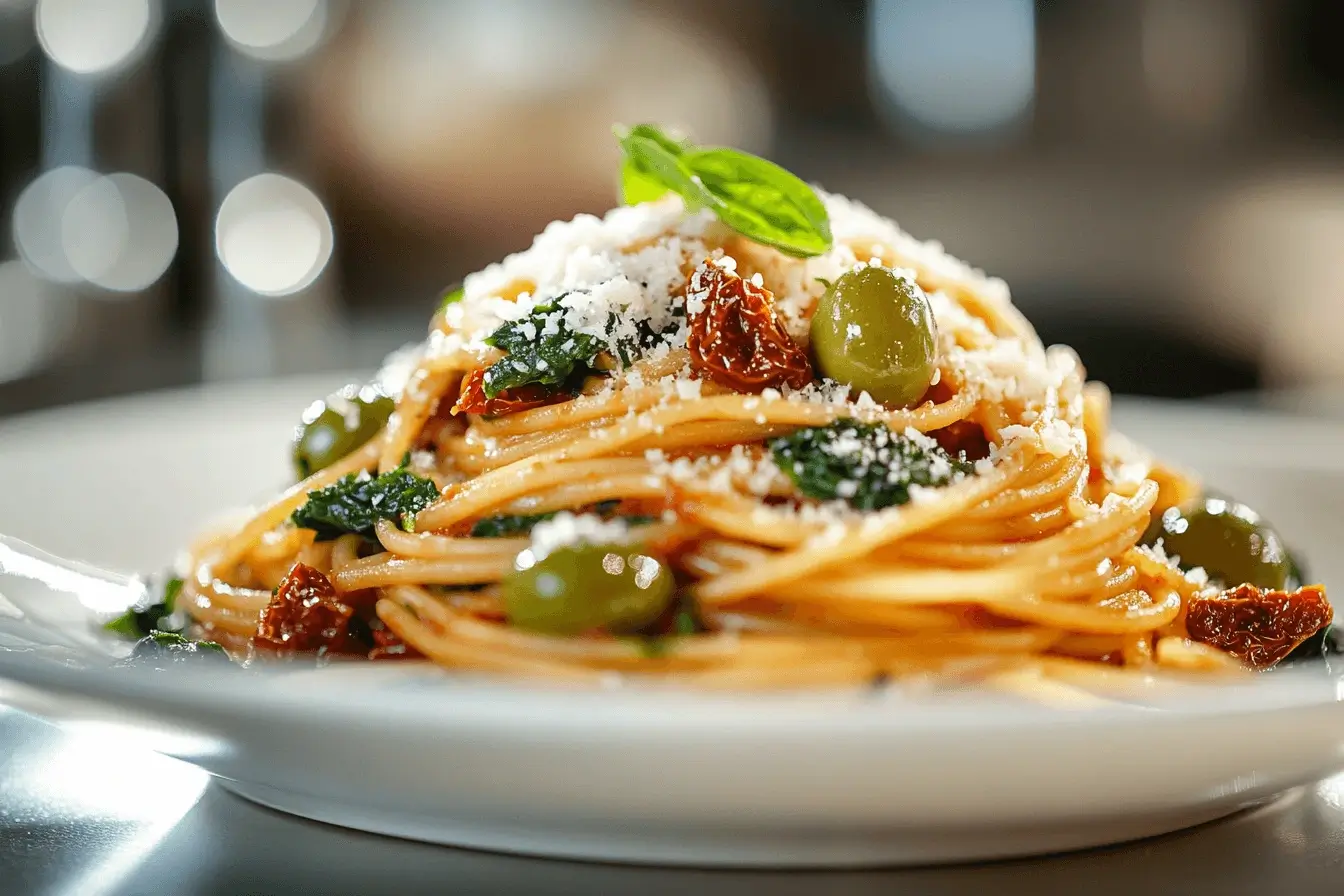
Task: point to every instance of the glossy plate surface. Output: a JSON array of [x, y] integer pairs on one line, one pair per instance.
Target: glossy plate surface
[[638, 774]]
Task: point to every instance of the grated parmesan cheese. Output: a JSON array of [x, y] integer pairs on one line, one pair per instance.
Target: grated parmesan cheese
[[567, 529]]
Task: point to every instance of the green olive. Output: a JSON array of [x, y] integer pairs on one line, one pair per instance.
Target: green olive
[[1229, 541], [592, 586], [875, 332], [333, 428]]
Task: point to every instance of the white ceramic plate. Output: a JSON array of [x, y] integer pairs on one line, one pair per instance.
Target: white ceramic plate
[[641, 775]]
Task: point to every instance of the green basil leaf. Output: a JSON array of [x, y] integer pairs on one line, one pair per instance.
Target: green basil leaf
[[654, 162], [638, 182], [637, 187], [652, 132], [760, 200]]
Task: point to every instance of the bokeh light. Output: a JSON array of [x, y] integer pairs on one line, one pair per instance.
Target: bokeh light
[[95, 36], [39, 216], [120, 233], [273, 29], [954, 68], [273, 235], [73, 225]]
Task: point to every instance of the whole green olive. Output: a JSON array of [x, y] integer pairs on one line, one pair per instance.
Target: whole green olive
[[875, 332], [334, 427], [575, 589], [1229, 541]]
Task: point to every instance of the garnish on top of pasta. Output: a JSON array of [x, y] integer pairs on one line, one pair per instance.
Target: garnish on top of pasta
[[741, 432]]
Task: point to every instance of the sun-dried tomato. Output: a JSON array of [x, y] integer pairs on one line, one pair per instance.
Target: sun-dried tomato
[[305, 616], [736, 339], [388, 645], [472, 399], [963, 437], [1259, 627]]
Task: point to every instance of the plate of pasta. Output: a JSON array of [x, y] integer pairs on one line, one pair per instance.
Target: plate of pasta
[[735, 526]]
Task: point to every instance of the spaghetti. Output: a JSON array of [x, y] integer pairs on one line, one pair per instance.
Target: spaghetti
[[1019, 557]]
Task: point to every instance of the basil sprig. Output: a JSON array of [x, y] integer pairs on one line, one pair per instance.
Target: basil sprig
[[757, 198]]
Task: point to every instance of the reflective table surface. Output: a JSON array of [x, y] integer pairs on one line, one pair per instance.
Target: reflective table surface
[[81, 816]]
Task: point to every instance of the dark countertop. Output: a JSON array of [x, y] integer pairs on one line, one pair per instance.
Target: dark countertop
[[84, 816]]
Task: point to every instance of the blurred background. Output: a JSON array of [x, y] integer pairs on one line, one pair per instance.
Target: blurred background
[[212, 189]]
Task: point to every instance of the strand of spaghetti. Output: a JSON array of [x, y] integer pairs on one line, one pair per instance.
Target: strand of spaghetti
[[1082, 569], [1192, 656], [711, 433], [1134, 611], [226, 553], [581, 494], [1105, 522], [857, 541], [936, 547], [1090, 647], [504, 645], [493, 490], [418, 400], [239, 617], [441, 547], [714, 557], [738, 516], [475, 456], [1151, 566], [279, 544], [1049, 491], [1036, 524], [316, 554], [883, 583], [567, 414], [453, 653], [928, 587], [1137, 649], [756, 419], [802, 618], [345, 552], [1096, 422], [382, 570]]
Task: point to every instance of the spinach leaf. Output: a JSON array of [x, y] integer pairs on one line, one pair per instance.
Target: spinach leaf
[[507, 526], [755, 197], [542, 350], [163, 649], [151, 615], [355, 503], [866, 465]]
